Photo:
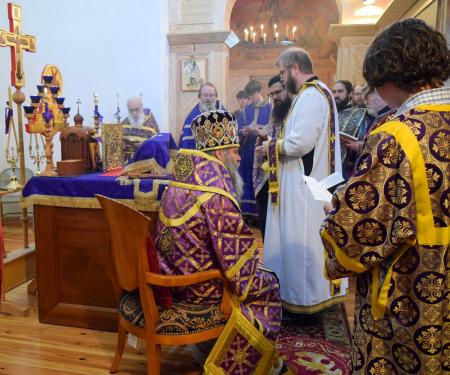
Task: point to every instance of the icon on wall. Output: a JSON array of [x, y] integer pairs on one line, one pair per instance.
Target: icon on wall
[[193, 73]]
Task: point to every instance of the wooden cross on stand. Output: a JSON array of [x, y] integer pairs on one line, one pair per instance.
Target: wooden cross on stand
[[17, 42]]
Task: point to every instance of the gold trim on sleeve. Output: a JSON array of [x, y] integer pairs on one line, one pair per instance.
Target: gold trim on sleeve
[[347, 262], [427, 233]]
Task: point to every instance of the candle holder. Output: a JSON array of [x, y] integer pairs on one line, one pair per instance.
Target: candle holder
[[98, 118], [49, 132], [54, 90], [46, 116], [36, 155], [47, 79], [12, 157], [35, 99], [268, 37], [12, 152]]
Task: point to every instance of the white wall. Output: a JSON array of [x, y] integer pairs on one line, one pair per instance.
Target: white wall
[[101, 46]]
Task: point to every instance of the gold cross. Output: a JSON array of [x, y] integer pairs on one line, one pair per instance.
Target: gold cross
[[17, 42]]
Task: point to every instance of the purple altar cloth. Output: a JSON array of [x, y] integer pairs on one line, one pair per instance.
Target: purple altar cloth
[[80, 191]]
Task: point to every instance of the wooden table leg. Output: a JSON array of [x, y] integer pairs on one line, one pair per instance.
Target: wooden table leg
[[32, 287]]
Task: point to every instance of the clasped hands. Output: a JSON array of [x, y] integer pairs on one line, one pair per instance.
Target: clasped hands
[[261, 151], [248, 130]]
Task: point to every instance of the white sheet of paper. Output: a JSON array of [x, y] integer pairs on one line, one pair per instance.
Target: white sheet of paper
[[317, 190], [332, 180]]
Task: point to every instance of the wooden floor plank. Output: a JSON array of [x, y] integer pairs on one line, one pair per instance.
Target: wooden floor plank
[[28, 347]]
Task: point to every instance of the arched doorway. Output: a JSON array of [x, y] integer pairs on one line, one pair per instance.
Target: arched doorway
[[198, 28], [256, 60]]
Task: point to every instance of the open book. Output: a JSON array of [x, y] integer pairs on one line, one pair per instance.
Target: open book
[[319, 190]]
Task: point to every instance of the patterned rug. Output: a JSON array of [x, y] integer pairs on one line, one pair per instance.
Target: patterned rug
[[316, 344]]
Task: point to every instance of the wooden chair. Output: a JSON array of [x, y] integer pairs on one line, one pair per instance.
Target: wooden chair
[[128, 231]]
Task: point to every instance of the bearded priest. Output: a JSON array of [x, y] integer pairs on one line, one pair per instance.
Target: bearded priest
[[200, 227]]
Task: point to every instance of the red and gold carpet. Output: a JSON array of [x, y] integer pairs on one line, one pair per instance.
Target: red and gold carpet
[[318, 344]]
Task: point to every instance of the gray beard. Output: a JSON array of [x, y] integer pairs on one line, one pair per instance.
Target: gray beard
[[372, 112], [136, 121], [238, 183], [206, 107]]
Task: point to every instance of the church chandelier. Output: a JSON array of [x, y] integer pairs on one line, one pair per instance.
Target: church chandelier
[[269, 36], [269, 29]]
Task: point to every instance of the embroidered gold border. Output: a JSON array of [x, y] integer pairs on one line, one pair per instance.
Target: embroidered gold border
[[314, 308], [187, 215], [210, 189], [274, 186], [427, 233], [230, 272], [149, 164], [79, 202], [347, 262], [280, 147], [238, 323], [201, 154], [380, 296], [142, 201], [140, 128], [331, 140], [248, 287], [231, 145], [435, 107]]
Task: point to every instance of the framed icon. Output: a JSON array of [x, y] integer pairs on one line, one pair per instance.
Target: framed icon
[[194, 73]]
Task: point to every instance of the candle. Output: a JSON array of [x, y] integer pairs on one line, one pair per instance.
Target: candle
[[253, 37], [264, 37], [276, 36], [275, 28], [251, 33], [246, 35], [262, 28], [293, 32], [45, 94]]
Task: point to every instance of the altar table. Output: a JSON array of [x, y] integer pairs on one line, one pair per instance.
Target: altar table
[[75, 273]]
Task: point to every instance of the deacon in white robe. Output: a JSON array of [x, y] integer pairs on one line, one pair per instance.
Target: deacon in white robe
[[309, 145]]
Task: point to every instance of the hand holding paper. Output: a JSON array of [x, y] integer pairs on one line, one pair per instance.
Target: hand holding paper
[[319, 189]]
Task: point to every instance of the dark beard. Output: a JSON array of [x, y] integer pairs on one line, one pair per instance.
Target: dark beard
[[281, 109], [291, 85], [342, 104]]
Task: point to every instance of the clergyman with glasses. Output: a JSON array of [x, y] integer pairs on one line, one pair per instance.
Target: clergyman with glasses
[[207, 101], [308, 145]]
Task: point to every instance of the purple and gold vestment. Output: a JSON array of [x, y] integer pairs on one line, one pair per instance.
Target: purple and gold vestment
[[391, 227], [133, 136], [200, 227]]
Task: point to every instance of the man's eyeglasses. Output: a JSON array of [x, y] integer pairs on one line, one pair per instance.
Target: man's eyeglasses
[[282, 71], [275, 93]]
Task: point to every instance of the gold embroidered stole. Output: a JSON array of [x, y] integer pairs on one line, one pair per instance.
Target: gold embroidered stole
[[275, 145]]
